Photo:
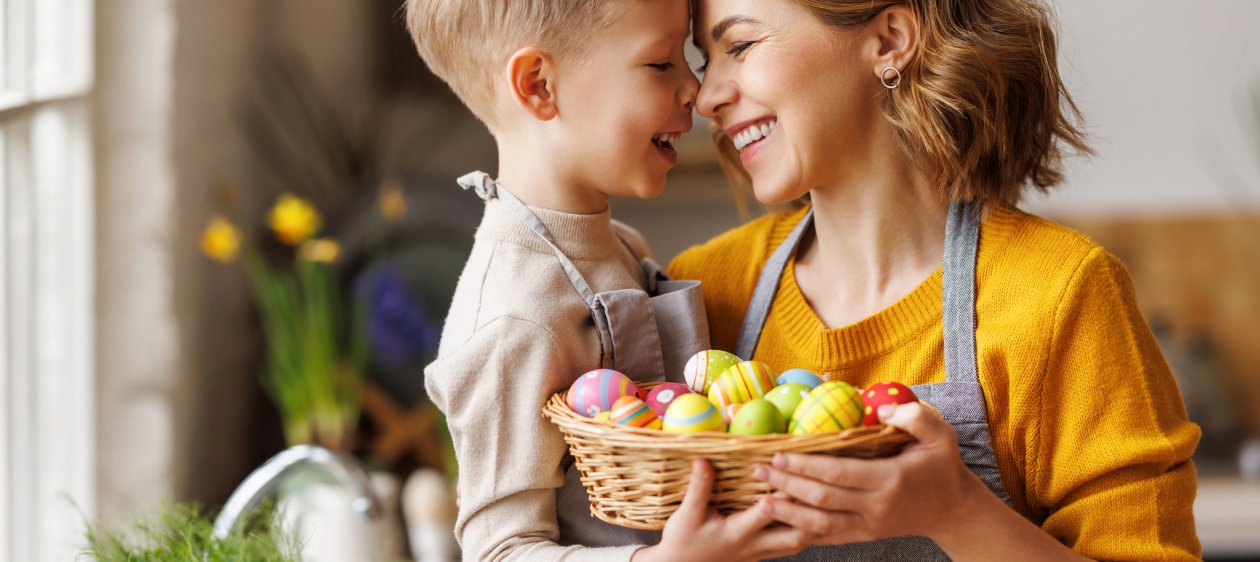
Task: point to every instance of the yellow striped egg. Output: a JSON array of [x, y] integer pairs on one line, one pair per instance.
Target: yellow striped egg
[[740, 383], [692, 413], [703, 368], [630, 410], [831, 407]]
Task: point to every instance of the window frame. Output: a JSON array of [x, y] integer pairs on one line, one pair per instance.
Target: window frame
[[47, 279]]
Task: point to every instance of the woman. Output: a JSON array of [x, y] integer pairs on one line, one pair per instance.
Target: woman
[[914, 126]]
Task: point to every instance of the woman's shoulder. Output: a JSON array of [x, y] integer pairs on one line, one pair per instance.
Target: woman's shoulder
[[1020, 233], [741, 250], [1024, 252]]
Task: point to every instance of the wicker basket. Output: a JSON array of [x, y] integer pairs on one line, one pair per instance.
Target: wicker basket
[[637, 477]]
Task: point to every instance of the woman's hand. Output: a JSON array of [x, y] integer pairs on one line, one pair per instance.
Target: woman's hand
[[698, 532], [926, 490], [844, 500]]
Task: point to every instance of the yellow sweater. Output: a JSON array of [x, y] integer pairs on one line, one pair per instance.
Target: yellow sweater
[[1088, 427]]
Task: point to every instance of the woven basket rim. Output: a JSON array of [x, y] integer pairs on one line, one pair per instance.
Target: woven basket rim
[[708, 442]]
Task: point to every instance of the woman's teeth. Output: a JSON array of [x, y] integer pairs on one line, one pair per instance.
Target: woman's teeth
[[666, 140], [753, 134]]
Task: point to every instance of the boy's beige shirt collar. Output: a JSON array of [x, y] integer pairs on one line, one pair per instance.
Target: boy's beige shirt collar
[[579, 236]]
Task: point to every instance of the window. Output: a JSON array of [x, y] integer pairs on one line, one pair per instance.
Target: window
[[47, 456]]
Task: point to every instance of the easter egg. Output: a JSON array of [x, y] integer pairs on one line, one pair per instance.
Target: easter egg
[[597, 390], [729, 411], [740, 383], [786, 397], [692, 413], [799, 376], [660, 397], [703, 368], [629, 410], [884, 393], [831, 407], [758, 417], [604, 416]]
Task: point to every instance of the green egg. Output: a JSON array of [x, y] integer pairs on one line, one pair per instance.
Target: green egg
[[758, 417], [786, 397]]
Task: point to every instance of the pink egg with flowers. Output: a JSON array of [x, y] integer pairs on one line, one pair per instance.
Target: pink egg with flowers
[[596, 391]]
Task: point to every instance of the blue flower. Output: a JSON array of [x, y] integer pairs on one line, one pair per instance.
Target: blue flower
[[399, 331]]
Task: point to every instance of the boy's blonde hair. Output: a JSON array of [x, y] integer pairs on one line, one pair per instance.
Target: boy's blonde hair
[[467, 42]]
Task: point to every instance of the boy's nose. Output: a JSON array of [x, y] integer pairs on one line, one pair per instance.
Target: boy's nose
[[687, 94]]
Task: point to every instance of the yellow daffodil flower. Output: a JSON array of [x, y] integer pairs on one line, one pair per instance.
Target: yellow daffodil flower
[[323, 250], [221, 240], [293, 219], [392, 202]]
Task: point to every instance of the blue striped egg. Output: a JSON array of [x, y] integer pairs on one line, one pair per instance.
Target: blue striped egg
[[800, 376]]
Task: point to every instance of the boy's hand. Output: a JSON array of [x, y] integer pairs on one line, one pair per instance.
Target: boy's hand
[[698, 532]]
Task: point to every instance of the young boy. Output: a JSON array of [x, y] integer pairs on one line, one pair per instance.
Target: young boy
[[585, 99]]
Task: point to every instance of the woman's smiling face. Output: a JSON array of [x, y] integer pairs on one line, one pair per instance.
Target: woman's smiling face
[[795, 94]]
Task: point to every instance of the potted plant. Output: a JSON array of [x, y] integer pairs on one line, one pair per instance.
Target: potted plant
[[316, 354], [313, 366]]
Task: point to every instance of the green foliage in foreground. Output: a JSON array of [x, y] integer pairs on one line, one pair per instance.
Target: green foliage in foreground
[[181, 533]]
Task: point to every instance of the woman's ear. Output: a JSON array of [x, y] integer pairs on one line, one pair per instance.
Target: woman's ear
[[896, 30], [531, 82]]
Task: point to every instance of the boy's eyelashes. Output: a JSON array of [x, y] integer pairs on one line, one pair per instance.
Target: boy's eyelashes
[[661, 66]]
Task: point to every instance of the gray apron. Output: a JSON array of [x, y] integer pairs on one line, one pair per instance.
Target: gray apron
[[647, 335], [959, 399]]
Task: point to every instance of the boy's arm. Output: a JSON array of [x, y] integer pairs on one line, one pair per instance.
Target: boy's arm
[[492, 390], [1109, 453]]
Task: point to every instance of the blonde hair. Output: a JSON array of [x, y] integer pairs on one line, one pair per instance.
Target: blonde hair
[[981, 106], [467, 42]]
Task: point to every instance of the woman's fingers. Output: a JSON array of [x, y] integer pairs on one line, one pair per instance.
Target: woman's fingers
[[810, 491], [827, 527], [859, 474], [695, 505], [751, 520]]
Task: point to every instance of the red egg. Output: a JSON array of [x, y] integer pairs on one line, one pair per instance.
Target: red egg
[[661, 396], [884, 393]]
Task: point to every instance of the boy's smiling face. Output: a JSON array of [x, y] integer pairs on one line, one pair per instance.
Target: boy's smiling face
[[623, 104]]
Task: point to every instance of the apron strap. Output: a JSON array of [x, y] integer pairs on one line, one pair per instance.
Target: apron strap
[[486, 188], [958, 292], [767, 287]]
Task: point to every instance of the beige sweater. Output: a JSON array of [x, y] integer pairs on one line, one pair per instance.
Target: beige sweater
[[517, 332]]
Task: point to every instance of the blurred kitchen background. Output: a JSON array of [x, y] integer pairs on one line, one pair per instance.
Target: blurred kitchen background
[[134, 365]]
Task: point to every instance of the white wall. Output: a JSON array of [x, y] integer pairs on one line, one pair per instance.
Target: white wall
[[174, 382], [138, 356], [1165, 86]]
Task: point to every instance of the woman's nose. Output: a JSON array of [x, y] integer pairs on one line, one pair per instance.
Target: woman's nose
[[713, 95]]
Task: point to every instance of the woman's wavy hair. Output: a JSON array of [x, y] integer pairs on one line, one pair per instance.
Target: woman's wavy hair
[[981, 106]]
